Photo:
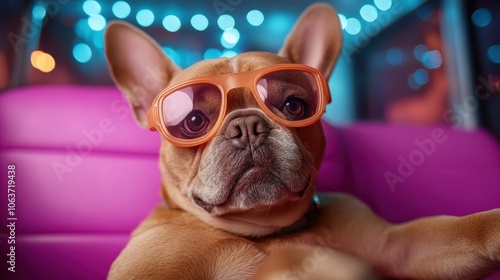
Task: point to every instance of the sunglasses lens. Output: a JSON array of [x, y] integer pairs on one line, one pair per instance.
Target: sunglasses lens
[[290, 94], [192, 111]]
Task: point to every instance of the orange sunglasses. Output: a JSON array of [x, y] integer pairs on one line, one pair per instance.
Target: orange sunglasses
[[191, 113]]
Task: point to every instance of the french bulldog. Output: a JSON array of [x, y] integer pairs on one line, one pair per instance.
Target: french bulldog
[[241, 146]]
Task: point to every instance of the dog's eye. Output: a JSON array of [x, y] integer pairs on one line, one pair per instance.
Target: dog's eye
[[294, 108], [194, 124]]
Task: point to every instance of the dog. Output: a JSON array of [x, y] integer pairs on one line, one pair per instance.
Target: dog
[[241, 146]]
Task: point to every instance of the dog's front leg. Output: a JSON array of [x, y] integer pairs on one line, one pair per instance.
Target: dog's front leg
[[441, 247], [447, 247]]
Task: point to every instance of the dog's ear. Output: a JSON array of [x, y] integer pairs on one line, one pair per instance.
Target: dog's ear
[[316, 39], [138, 66]]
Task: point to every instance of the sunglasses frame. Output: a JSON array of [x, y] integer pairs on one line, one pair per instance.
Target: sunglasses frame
[[226, 83]]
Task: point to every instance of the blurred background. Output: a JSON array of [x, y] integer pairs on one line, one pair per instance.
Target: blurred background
[[404, 61]]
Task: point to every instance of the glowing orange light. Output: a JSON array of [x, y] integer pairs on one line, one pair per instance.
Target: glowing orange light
[[42, 61]]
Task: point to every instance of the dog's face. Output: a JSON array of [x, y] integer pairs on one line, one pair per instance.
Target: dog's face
[[254, 176]]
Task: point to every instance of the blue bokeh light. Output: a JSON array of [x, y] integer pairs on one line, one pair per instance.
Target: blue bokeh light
[[171, 23], [38, 12], [255, 17], [230, 38], [229, 54], [353, 26], [494, 53], [212, 53], [121, 9], [419, 51], [199, 22], [91, 7], [97, 22], [226, 44], [481, 17], [279, 23], [82, 28], [421, 76], [225, 22], [98, 39], [383, 5], [145, 17], [394, 56], [82, 52], [343, 21], [432, 59], [368, 13], [412, 82]]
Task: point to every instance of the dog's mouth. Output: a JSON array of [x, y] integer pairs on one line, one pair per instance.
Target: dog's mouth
[[249, 177], [255, 188]]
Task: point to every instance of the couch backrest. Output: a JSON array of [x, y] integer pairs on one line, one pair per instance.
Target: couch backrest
[[82, 163]]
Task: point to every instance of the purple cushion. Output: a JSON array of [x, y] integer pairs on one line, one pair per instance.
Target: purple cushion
[[80, 159], [406, 172], [67, 256], [86, 175]]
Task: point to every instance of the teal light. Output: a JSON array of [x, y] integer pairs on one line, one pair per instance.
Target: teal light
[[279, 23], [82, 53], [225, 22], [481, 17], [419, 51], [121, 9], [97, 22], [421, 77], [38, 12], [199, 22], [229, 54], [255, 17], [383, 5], [368, 13], [212, 53], [145, 17], [230, 38], [171, 23], [353, 26], [82, 28], [412, 83], [494, 53], [98, 39], [91, 7], [343, 21], [432, 59]]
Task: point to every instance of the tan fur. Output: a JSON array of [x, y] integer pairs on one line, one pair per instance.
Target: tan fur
[[345, 240]]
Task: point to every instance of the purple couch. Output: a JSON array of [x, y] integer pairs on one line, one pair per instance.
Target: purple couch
[[86, 175]]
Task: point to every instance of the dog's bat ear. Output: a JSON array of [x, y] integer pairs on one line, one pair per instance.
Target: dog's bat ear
[[138, 66], [316, 39]]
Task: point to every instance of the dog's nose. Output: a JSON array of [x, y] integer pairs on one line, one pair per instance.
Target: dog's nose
[[247, 131]]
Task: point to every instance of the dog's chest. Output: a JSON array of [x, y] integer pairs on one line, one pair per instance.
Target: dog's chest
[[240, 259]]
